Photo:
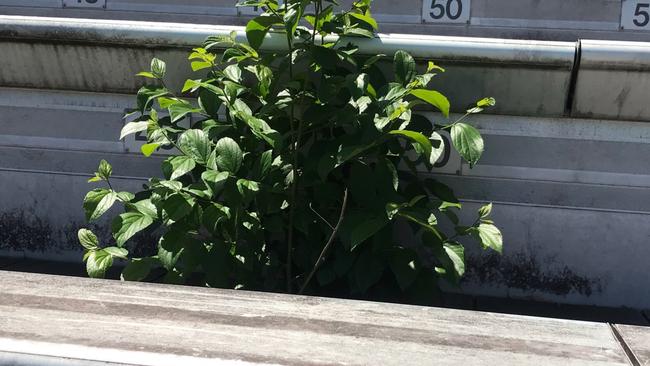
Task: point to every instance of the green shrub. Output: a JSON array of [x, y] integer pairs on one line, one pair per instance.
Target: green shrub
[[291, 170]]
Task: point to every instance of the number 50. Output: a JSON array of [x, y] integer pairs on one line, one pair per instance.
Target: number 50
[[445, 11]]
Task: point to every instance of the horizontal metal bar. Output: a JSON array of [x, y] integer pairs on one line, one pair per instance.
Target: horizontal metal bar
[[151, 34], [615, 55]]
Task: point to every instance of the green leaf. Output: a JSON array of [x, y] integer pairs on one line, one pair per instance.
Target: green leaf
[[128, 224], [148, 149], [437, 150], [404, 66], [468, 141], [418, 138], [146, 74], [138, 269], [195, 144], [214, 214], [326, 57], [147, 94], [214, 180], [358, 31], [265, 76], [209, 102], [257, 28], [261, 129], [117, 252], [393, 173], [229, 155], [366, 19], [247, 187], [367, 270], [291, 18], [486, 102], [365, 230], [456, 254], [105, 170], [200, 65], [485, 211], [133, 127], [171, 184], [441, 191], [87, 239], [482, 104], [178, 166], [191, 85], [432, 66], [98, 262], [179, 110], [490, 237], [264, 164], [402, 264], [146, 207], [158, 68], [125, 196], [177, 206], [96, 178], [170, 248], [233, 72], [97, 202], [434, 98]]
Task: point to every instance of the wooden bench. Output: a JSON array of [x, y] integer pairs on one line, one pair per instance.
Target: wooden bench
[[56, 320]]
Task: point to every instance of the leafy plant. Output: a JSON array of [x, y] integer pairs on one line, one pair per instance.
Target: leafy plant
[[294, 164]]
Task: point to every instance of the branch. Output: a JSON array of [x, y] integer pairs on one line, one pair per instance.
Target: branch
[[327, 246], [295, 141]]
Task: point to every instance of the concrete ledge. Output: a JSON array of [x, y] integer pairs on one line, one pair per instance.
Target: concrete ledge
[[58, 320], [104, 55]]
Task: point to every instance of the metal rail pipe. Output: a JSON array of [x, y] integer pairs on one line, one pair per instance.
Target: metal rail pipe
[[151, 34]]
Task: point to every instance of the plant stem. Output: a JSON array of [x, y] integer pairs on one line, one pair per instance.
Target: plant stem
[[327, 246], [318, 7], [294, 168]]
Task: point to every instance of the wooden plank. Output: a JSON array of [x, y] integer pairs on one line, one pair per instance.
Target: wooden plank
[[638, 340], [147, 324]]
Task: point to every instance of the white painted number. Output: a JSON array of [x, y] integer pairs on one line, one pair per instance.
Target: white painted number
[[635, 14], [445, 11], [84, 3]]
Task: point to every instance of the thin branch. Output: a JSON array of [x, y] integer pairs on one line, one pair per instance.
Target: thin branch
[[321, 217], [292, 199], [109, 184], [318, 6], [327, 246]]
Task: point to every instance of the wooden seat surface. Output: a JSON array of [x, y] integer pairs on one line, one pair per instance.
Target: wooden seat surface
[[68, 319]]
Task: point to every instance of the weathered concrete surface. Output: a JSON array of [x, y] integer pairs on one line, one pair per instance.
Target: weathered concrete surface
[[103, 56], [638, 341], [615, 72], [529, 19], [563, 187], [148, 324]]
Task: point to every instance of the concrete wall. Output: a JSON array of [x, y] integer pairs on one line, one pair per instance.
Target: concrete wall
[[565, 158], [566, 20]]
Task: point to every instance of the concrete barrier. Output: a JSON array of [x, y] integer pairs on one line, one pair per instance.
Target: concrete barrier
[[572, 193]]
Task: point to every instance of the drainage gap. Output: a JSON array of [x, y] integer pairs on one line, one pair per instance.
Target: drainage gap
[[573, 80], [631, 357]]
